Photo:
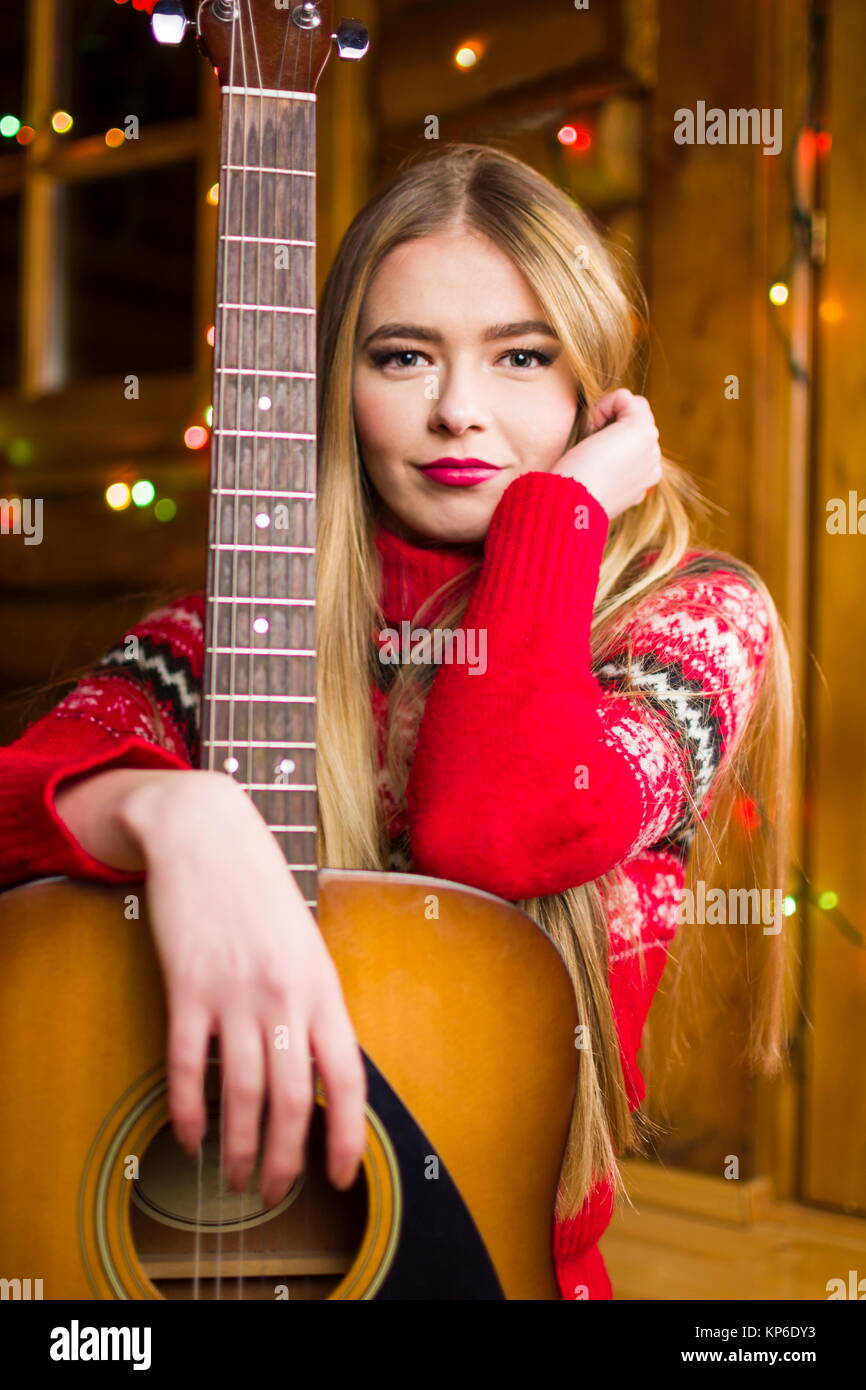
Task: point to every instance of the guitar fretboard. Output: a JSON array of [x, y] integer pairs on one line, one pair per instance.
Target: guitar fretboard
[[259, 685]]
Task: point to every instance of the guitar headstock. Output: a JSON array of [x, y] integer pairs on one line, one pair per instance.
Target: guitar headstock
[[267, 45]]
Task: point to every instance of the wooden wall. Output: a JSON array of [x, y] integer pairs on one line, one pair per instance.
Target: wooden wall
[[710, 227]]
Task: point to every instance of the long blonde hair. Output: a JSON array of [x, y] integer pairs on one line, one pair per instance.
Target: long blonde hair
[[597, 309]]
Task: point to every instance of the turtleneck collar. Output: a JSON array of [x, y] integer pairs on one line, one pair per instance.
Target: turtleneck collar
[[411, 572]]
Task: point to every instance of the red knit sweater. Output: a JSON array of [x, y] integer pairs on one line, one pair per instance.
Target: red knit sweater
[[529, 776]]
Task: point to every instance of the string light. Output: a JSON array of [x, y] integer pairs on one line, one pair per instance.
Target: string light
[[468, 54], [9, 126], [114, 138], [61, 122], [778, 293], [195, 437], [19, 451], [574, 137], [213, 194], [165, 509], [143, 492], [118, 496], [211, 335]]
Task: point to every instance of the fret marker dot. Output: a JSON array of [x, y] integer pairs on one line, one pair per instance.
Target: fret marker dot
[[231, 764], [287, 765], [261, 625], [264, 402], [263, 520]]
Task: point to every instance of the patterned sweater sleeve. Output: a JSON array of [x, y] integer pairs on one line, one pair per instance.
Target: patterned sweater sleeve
[[137, 708], [539, 774]]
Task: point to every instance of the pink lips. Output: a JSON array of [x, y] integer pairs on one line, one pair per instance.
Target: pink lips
[[460, 472]]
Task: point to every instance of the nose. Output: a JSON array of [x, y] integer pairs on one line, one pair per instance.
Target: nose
[[460, 404]]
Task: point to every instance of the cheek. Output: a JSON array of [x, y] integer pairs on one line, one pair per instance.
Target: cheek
[[383, 418]]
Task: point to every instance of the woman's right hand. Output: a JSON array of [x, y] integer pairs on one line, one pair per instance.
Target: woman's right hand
[[620, 459], [243, 957]]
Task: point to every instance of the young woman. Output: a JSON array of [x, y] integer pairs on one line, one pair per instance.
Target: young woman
[[481, 466]]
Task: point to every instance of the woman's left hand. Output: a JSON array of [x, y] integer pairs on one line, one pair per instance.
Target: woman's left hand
[[621, 460]]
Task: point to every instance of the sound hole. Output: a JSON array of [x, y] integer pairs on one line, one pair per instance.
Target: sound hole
[[197, 1238]]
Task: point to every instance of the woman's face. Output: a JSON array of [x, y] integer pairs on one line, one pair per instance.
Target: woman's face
[[453, 361]]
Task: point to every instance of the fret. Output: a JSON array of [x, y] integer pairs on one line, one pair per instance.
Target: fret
[[265, 434], [263, 169], [258, 651], [251, 598], [264, 492], [268, 549], [269, 308], [263, 372], [277, 787], [264, 699], [294, 827], [256, 743], [303, 866], [268, 240], [269, 92]]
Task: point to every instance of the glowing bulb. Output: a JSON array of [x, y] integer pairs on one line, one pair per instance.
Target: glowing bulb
[[117, 496], [467, 55], [789, 906], [213, 194], [165, 509], [143, 492], [208, 416], [828, 899], [195, 437], [778, 293], [114, 138], [211, 335], [61, 122], [9, 125]]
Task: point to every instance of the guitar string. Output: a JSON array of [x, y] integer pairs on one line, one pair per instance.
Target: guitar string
[[227, 175], [217, 569]]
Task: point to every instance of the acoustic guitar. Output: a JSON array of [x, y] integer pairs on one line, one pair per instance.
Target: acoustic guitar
[[462, 1006]]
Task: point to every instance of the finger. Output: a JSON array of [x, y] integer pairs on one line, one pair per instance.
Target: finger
[[243, 1079], [612, 406], [290, 1101], [189, 1032], [341, 1067]]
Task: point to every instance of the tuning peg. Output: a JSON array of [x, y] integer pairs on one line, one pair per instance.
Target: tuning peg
[[168, 21], [351, 39]]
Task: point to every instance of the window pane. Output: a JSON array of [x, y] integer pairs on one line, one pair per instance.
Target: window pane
[[130, 272], [111, 67], [10, 270]]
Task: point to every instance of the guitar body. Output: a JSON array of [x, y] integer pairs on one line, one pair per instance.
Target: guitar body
[[465, 1014]]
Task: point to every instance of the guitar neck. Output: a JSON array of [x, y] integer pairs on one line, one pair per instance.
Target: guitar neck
[[259, 683]]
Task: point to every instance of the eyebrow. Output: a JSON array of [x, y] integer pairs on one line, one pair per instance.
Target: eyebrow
[[495, 332]]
